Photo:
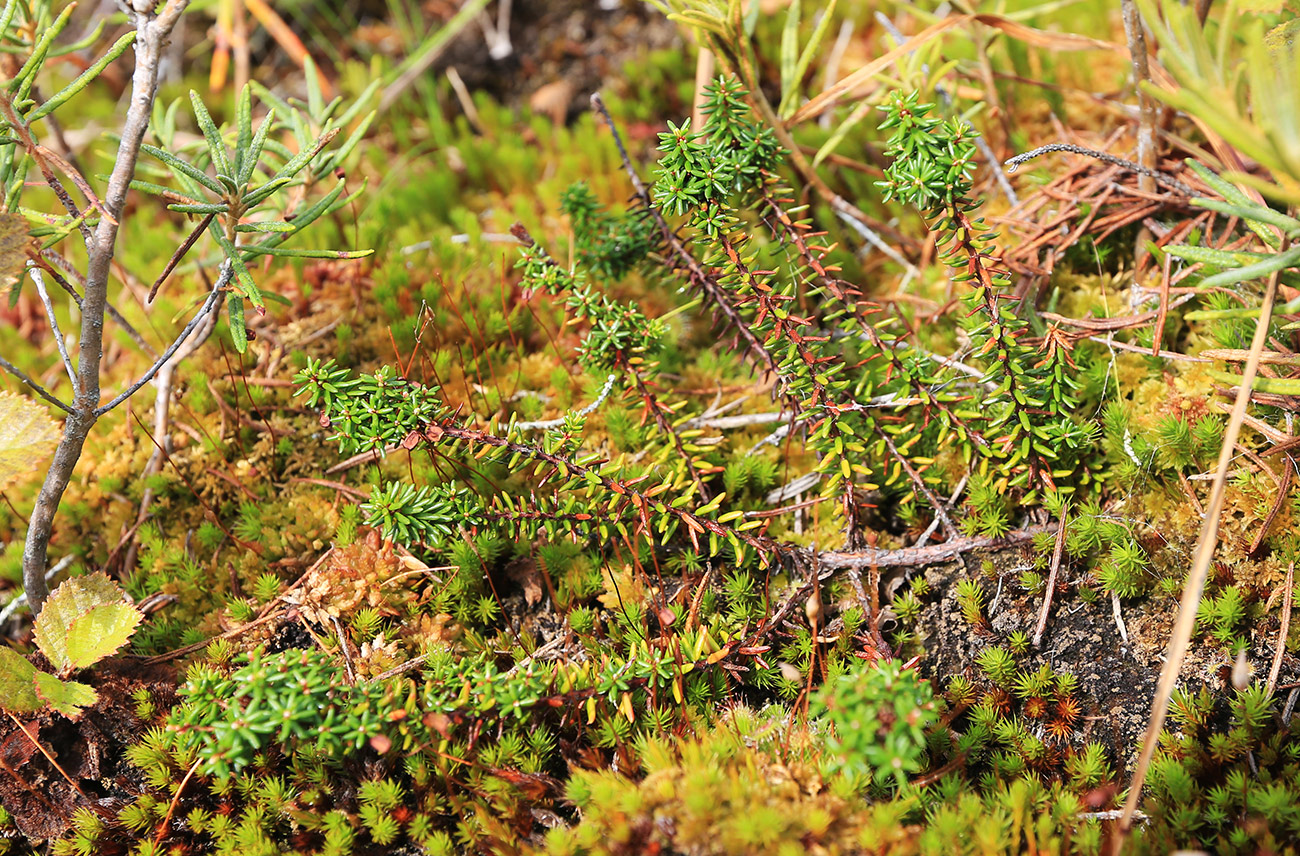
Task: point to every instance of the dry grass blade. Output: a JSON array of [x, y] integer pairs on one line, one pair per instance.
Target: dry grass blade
[[1287, 595], [833, 93], [1195, 586], [1038, 38]]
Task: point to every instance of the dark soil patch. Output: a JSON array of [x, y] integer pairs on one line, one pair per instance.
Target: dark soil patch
[[572, 47], [91, 751], [1117, 679]]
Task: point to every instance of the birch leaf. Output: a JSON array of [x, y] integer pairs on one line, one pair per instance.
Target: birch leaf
[[66, 697], [85, 620], [17, 692], [27, 434]]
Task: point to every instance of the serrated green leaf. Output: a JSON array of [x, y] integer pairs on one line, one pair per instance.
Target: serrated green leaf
[[17, 692], [100, 632], [27, 436], [66, 697], [60, 631]]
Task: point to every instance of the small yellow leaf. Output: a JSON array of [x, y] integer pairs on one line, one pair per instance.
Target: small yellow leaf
[[27, 433]]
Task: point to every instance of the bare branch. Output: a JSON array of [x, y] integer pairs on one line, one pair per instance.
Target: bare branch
[[154, 31], [40, 390], [54, 325], [217, 290], [56, 260], [1012, 164]]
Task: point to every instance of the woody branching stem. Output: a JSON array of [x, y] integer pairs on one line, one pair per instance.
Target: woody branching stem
[[1026, 418], [152, 31], [831, 367], [245, 185]]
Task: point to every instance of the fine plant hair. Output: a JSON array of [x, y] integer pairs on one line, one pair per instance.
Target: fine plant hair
[[245, 183]]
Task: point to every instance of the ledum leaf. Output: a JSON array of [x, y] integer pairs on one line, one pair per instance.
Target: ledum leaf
[[1263, 268], [216, 146], [57, 100], [8, 14], [1252, 213], [315, 100], [1271, 385], [265, 226], [806, 57], [259, 194], [26, 77], [1216, 257], [260, 249], [163, 191], [300, 160], [269, 97], [235, 312], [1288, 308], [84, 43], [337, 156], [243, 128], [254, 153], [790, 49], [323, 206], [355, 108], [66, 697], [182, 167], [243, 278], [199, 207]]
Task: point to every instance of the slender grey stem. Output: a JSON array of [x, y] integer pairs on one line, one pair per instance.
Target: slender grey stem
[[36, 387], [548, 424], [54, 326], [57, 260], [153, 33], [208, 305], [1168, 180], [1137, 51], [876, 241], [21, 597]]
